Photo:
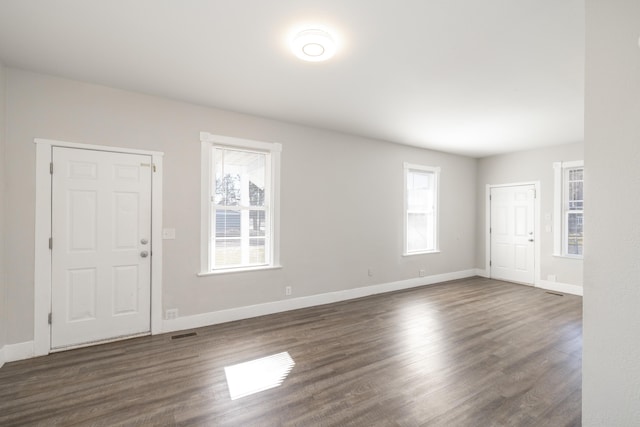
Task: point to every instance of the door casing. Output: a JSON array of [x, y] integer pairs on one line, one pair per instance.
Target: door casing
[[42, 273], [537, 233]]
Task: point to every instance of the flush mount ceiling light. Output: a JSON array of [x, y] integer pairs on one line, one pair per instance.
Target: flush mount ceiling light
[[313, 45]]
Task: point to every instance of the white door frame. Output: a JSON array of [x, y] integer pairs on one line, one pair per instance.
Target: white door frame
[[536, 234], [42, 272]]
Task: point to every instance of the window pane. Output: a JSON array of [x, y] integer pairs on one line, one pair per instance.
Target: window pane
[[420, 232], [227, 223], [239, 178], [576, 190], [227, 181], [257, 223], [227, 253], [576, 174], [420, 191], [257, 251], [575, 233], [256, 194]]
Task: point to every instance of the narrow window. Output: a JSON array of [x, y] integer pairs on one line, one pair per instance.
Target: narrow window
[[421, 209], [569, 232], [239, 203]]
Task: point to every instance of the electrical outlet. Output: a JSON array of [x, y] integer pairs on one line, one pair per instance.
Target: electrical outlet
[[171, 314], [422, 273], [287, 290]]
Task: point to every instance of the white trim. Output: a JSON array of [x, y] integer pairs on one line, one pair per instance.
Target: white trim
[[240, 142], [560, 287], [273, 149], [205, 208], [421, 253], [20, 351], [487, 240], [536, 235], [557, 208], [222, 316], [156, 242], [2, 358], [559, 222], [239, 270], [42, 273], [436, 212], [81, 146], [41, 344]]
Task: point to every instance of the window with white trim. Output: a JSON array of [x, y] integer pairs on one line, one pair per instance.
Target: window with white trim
[[240, 203], [569, 209], [420, 209]]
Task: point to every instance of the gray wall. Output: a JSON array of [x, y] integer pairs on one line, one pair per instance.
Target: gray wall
[[342, 204], [611, 369], [525, 166], [3, 311]]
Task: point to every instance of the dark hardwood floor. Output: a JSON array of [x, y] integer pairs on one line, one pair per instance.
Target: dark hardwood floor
[[473, 352]]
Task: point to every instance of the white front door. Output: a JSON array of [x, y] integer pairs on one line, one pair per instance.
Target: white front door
[[512, 233], [101, 246]]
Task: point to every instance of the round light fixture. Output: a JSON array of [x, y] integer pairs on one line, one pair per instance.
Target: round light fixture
[[313, 45]]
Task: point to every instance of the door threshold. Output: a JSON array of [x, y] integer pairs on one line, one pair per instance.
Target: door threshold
[[99, 342]]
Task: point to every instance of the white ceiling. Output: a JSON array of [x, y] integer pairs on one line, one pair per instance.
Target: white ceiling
[[464, 76]]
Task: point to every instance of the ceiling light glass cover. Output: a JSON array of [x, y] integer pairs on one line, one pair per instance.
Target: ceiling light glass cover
[[313, 45]]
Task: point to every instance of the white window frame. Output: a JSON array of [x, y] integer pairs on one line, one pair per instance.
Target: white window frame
[[210, 141], [560, 228], [436, 237]]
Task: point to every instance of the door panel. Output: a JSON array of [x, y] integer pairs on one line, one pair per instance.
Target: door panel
[[81, 292], [101, 214], [512, 233]]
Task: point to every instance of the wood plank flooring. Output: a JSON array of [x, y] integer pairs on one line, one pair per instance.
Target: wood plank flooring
[[473, 352]]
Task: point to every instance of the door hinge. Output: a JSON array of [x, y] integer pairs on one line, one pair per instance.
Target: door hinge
[[49, 318], [489, 196], [489, 263], [50, 242], [51, 168], [490, 230], [154, 167]]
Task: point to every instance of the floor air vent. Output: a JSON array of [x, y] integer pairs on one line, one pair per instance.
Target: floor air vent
[[556, 294], [190, 334]]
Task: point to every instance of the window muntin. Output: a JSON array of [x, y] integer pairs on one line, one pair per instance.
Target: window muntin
[[421, 209], [569, 209], [240, 188]]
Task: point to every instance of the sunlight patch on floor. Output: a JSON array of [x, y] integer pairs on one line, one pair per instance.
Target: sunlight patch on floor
[[258, 375]]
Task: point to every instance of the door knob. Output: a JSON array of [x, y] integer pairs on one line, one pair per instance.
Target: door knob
[[144, 241], [531, 240], [144, 254]]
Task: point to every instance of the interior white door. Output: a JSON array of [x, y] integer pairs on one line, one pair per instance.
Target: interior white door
[[512, 233], [101, 246]]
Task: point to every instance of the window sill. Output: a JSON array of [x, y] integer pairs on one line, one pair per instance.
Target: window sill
[[576, 257], [437, 251], [239, 270]]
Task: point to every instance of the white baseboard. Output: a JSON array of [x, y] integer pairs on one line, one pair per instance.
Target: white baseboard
[[20, 351], [565, 288], [482, 272], [2, 358], [222, 316]]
